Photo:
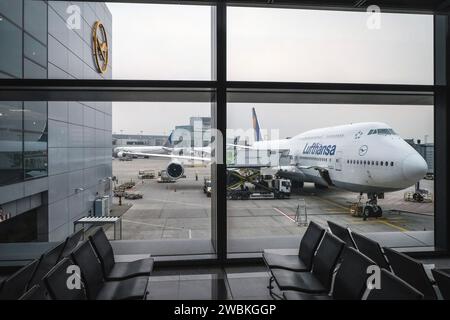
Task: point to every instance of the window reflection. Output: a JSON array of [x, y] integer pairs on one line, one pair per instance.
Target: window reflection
[[10, 142], [23, 141]]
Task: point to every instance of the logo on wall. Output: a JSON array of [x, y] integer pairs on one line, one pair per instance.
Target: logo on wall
[[100, 47]]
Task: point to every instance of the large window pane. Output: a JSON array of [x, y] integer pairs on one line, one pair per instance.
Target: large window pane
[[329, 154], [176, 205], [132, 41], [12, 9], [35, 51], [10, 49], [161, 41], [328, 46], [35, 19], [10, 142], [35, 139]]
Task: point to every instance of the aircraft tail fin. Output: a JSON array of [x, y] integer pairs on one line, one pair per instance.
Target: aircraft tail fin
[[256, 128], [169, 142]]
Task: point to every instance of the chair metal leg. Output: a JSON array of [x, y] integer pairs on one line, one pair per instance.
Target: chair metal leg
[[270, 286], [274, 295]]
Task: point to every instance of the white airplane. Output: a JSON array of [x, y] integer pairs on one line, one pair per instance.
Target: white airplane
[[367, 157], [120, 152]]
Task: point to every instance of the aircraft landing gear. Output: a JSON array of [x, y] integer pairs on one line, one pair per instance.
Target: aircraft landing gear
[[372, 209]]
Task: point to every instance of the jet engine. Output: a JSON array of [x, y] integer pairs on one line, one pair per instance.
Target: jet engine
[[175, 170]]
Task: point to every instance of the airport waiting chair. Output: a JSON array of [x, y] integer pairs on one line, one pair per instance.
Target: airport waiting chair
[[372, 249], [350, 282], [56, 282], [71, 243], [443, 282], [36, 292], [342, 233], [46, 262], [393, 288], [304, 259], [113, 270], [16, 285], [411, 271], [97, 288], [319, 279]]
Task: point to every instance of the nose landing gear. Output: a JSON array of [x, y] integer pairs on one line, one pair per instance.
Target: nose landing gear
[[372, 209]]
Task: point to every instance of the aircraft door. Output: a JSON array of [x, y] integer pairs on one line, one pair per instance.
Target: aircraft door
[[339, 160]]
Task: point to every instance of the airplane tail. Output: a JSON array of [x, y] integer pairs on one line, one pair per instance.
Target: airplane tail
[[169, 142], [256, 128]]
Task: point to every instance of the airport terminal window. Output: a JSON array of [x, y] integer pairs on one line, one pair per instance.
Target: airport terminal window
[[35, 19], [267, 218], [133, 36], [71, 141], [176, 203], [35, 139], [23, 141], [288, 45], [11, 49], [11, 138], [12, 9]]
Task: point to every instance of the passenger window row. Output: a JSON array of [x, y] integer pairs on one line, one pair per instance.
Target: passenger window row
[[371, 162]]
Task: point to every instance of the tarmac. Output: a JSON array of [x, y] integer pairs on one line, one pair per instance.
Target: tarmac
[[181, 210]]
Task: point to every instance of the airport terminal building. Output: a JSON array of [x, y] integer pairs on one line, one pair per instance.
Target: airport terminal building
[[55, 157]]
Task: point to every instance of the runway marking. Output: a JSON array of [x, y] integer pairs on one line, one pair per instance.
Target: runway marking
[[178, 202], [160, 226], [284, 214]]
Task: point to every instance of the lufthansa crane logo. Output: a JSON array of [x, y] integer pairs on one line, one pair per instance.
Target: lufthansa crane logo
[[100, 47], [363, 150]]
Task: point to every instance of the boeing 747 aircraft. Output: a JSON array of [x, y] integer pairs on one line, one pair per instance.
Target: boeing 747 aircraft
[[367, 157]]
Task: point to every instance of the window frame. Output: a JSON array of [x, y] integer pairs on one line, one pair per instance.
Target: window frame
[[220, 89]]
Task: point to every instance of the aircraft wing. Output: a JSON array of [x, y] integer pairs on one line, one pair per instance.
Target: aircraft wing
[[312, 167], [248, 166], [241, 146], [167, 156], [272, 150]]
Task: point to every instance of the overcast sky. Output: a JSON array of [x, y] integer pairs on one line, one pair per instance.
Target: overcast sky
[[174, 42]]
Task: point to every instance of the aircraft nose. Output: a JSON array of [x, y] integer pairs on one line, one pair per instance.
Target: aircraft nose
[[414, 168]]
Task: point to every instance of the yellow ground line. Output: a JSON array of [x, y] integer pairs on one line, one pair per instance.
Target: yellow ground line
[[334, 212], [392, 225]]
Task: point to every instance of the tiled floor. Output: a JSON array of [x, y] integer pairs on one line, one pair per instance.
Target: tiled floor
[[238, 283]]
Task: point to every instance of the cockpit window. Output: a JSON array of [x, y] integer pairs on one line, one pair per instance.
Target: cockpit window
[[385, 132]]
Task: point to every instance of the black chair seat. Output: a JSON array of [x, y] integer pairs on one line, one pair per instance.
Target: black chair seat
[[113, 270], [288, 262], [129, 289], [97, 288], [123, 270], [298, 281], [293, 295]]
